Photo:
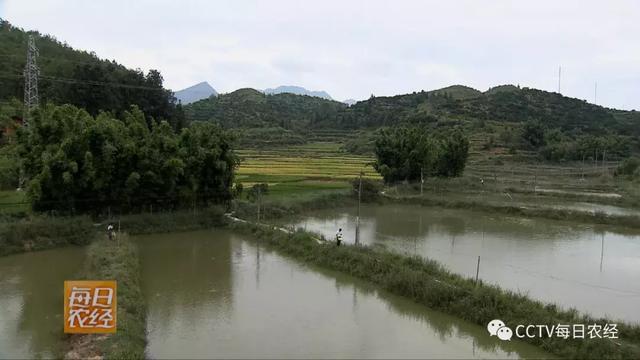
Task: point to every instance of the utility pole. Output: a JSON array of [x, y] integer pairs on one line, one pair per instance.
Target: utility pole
[[559, 78], [595, 94], [259, 201], [421, 181], [358, 216], [31, 73]]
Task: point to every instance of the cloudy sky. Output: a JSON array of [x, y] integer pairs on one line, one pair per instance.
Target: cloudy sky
[[353, 49]]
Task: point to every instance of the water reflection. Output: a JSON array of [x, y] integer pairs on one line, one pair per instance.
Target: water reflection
[[592, 268], [31, 301], [269, 306]]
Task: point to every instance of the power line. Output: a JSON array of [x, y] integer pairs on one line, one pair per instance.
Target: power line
[[50, 58], [100, 83], [86, 82]]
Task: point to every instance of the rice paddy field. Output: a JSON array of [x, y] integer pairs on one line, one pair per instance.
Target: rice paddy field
[[12, 201], [303, 171], [321, 167]]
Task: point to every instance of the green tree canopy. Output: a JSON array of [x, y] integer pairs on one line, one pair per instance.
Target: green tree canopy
[[408, 153], [76, 162]]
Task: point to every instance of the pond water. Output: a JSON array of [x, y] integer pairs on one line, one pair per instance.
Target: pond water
[[595, 269], [213, 294], [31, 301]]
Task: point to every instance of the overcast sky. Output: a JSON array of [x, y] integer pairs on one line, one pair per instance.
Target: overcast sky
[[353, 49]]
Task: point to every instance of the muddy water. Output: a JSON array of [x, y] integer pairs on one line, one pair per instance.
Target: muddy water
[[212, 294], [594, 269], [31, 301]]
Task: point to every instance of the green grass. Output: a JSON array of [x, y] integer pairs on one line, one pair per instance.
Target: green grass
[[161, 222], [301, 172], [110, 260], [428, 283], [40, 233], [45, 232], [13, 202]]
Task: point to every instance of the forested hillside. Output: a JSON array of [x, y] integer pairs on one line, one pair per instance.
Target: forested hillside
[[509, 116], [249, 108], [69, 76]]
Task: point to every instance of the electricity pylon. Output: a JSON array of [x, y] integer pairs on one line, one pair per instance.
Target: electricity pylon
[[31, 73]]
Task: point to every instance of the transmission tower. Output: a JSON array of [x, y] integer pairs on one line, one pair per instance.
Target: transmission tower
[[559, 79], [31, 73]]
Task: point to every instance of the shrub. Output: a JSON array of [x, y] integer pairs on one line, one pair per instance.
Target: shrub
[[370, 189]]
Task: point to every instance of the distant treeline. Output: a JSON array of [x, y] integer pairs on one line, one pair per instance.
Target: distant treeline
[[564, 120]]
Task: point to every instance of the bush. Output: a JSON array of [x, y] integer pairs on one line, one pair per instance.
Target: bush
[[370, 189], [40, 233], [629, 167], [172, 221], [257, 191]]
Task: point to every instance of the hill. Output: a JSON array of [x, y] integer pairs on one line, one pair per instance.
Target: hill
[[454, 104], [458, 92], [297, 90], [194, 93], [569, 127], [250, 108], [81, 78]]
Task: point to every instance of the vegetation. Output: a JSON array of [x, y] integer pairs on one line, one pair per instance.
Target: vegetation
[[40, 233], [249, 108], [301, 172], [115, 261], [69, 76], [78, 163], [368, 190], [558, 128], [45, 232], [410, 153], [630, 168], [631, 221], [278, 209], [428, 283], [257, 191], [163, 222]]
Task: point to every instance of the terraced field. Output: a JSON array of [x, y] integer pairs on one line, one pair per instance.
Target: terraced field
[[303, 170]]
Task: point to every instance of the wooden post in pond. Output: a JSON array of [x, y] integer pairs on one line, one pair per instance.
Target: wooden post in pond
[[477, 269], [259, 201], [358, 216], [602, 251], [421, 180]]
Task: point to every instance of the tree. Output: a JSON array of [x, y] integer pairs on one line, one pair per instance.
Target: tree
[[257, 191], [452, 154], [533, 134], [409, 153], [370, 189], [79, 163]]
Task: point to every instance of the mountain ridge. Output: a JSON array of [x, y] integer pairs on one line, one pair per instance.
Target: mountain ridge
[[297, 90], [193, 93]]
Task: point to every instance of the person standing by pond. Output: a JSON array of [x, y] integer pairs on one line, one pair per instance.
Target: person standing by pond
[[110, 231], [339, 237]]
